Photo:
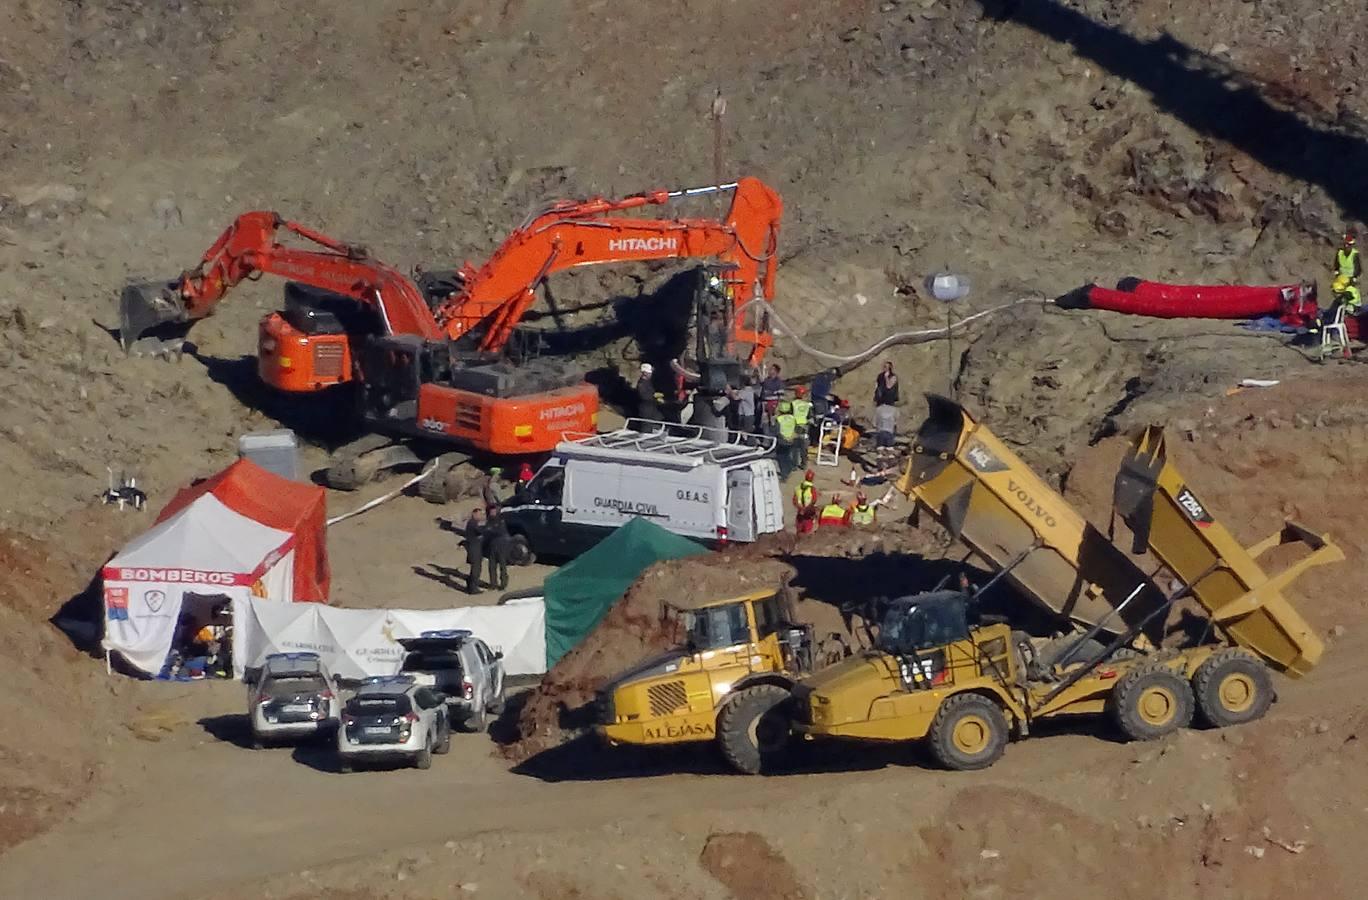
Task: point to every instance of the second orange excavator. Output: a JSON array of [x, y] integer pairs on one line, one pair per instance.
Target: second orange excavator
[[428, 354]]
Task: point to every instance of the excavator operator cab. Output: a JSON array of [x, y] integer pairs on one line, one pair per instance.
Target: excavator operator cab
[[395, 367]]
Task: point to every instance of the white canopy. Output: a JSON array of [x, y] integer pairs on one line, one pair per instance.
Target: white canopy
[[207, 537]]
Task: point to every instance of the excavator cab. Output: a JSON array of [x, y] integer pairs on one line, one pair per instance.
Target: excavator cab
[[395, 367]]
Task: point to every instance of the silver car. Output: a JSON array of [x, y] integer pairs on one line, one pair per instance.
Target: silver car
[[461, 666], [393, 717], [292, 697]]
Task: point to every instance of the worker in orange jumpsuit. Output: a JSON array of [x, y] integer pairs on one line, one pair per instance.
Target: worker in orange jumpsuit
[[805, 502]]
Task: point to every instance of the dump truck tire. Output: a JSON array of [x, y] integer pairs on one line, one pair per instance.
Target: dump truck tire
[[753, 729], [970, 732], [1150, 702], [1232, 687]]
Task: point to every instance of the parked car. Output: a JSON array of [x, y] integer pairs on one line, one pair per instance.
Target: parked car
[[714, 486], [463, 668], [393, 717], [291, 697]]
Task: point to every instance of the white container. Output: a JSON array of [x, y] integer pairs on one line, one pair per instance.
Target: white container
[[275, 451]]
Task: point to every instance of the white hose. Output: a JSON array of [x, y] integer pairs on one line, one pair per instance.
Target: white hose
[[431, 467], [900, 337]]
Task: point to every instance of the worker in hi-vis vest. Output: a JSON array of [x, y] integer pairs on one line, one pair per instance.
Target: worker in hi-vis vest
[[786, 433], [833, 514], [1347, 262], [805, 502], [802, 415]]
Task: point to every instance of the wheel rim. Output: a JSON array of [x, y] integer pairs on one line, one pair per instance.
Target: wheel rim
[[972, 735], [1237, 692], [1157, 705]]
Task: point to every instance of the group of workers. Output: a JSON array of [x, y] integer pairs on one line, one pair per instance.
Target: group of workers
[[861, 512], [486, 534]]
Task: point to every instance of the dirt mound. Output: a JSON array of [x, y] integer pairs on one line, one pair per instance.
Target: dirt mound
[[746, 864], [633, 630]]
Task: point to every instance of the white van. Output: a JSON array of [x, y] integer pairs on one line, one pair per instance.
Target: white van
[[713, 485]]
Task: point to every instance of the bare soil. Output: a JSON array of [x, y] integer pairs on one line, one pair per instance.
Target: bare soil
[[1035, 145]]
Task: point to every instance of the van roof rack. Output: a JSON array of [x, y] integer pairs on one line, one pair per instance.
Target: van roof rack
[[683, 446]]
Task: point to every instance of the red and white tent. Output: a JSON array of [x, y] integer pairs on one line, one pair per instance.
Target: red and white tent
[[244, 532]]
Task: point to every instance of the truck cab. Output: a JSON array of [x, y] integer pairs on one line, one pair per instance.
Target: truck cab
[[727, 646]]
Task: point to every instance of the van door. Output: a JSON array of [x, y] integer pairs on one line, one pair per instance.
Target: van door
[[769, 501], [740, 508]]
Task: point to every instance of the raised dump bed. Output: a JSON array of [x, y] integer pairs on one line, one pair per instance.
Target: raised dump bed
[[977, 488], [1169, 520]]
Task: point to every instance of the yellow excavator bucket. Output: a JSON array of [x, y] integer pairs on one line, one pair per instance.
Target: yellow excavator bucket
[[1167, 518]]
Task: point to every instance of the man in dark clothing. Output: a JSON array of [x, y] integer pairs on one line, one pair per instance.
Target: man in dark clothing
[[474, 547], [886, 387], [498, 548], [648, 402], [822, 384]]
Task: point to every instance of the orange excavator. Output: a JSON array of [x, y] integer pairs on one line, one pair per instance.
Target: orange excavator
[[428, 353]]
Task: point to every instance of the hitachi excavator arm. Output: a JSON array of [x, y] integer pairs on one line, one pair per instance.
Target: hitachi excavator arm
[[493, 298], [571, 233], [247, 249]]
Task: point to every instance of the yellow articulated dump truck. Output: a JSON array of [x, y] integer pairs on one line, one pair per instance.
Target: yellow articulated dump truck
[[967, 683], [727, 682]]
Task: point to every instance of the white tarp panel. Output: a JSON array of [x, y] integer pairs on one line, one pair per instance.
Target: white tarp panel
[[355, 643], [141, 617]]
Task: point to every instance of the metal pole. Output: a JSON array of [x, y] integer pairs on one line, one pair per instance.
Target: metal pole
[[951, 387]]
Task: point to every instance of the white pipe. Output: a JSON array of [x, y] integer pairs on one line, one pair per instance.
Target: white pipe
[[432, 467]]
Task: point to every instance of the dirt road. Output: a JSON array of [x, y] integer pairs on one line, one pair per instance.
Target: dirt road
[[200, 816]]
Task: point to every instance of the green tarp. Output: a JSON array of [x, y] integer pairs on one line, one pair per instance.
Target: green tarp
[[579, 594]]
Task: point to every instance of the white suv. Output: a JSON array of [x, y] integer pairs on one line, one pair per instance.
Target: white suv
[[291, 697], [393, 717], [461, 666]]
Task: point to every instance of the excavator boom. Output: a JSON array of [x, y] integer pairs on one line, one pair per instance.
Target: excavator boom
[[570, 234], [249, 248]]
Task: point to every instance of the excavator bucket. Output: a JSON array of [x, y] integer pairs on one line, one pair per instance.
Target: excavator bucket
[[151, 310]]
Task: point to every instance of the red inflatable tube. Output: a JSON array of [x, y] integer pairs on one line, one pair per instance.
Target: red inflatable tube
[[1182, 301]]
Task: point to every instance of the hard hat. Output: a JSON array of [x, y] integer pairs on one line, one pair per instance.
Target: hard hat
[[1349, 237], [1341, 284], [496, 470], [647, 369], [860, 497], [809, 475], [714, 281], [799, 391], [845, 404], [785, 406]]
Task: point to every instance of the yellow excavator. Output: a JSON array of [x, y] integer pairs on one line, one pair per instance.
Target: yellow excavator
[[1151, 658]]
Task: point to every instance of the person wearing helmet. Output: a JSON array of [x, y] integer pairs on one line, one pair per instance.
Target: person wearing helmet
[[492, 490], [861, 512], [833, 515], [805, 502], [802, 414], [786, 437], [648, 401], [1347, 263]]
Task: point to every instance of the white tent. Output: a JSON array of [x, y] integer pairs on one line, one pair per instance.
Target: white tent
[[207, 551], [355, 643]]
